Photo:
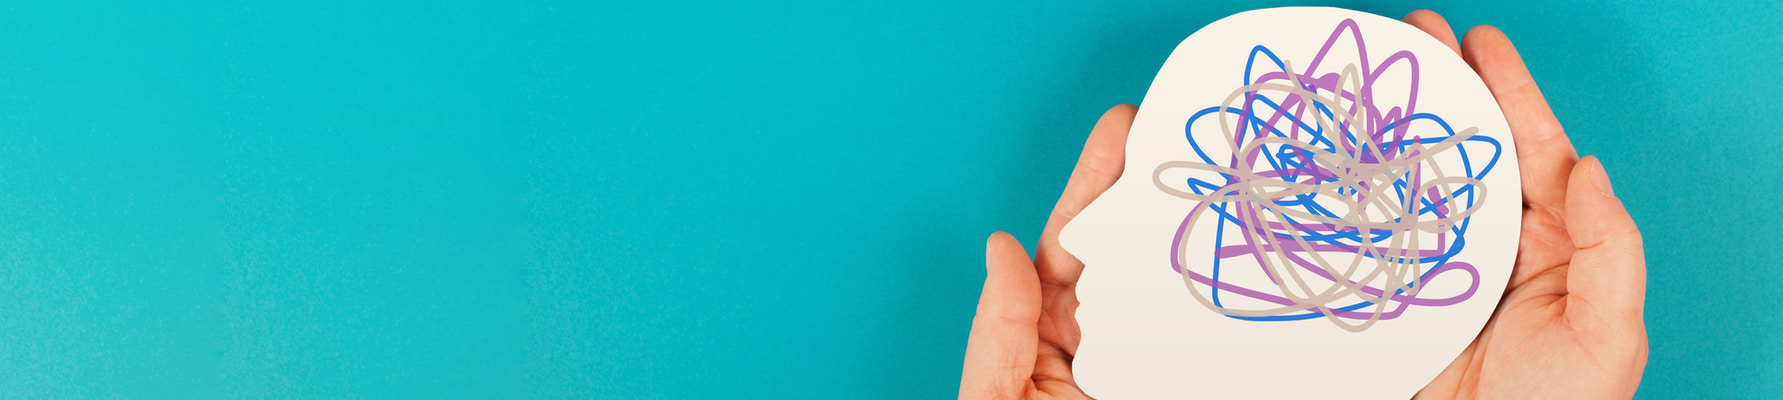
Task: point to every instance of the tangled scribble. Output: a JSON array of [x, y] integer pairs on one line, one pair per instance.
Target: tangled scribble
[[1341, 203]]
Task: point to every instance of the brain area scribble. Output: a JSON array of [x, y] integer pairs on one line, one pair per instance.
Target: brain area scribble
[[1330, 205]]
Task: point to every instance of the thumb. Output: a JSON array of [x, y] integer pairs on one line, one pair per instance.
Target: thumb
[[1000, 354], [1608, 275]]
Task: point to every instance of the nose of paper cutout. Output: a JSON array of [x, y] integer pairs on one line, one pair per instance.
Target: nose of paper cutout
[[1335, 197]]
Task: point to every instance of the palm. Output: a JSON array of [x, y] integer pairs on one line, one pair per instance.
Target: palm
[[1538, 336], [1569, 325]]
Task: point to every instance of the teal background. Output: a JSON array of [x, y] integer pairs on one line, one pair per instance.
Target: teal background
[[452, 199]]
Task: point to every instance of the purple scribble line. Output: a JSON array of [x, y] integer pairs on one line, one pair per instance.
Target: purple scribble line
[[1375, 122]]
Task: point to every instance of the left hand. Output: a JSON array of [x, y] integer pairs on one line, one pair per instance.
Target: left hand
[[1026, 332]]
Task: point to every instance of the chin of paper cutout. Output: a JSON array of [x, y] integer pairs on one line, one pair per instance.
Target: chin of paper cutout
[[1317, 203]]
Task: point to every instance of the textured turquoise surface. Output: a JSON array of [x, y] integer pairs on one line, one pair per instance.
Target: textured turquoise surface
[[704, 199]]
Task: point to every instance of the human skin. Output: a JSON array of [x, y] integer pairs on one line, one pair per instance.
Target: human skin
[[1570, 324]]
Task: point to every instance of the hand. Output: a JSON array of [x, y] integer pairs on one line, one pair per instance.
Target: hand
[[1570, 324], [1025, 333]]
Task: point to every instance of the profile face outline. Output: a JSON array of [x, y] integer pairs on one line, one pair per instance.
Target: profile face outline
[[1351, 199]]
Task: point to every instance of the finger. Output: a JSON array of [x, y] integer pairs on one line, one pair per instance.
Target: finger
[[1000, 353], [1434, 24], [1052, 374], [1104, 155], [1543, 151], [1608, 276]]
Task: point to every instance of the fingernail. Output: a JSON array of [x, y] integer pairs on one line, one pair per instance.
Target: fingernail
[[1602, 180]]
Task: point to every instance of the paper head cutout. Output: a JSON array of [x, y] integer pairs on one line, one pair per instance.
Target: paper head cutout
[[1316, 202]]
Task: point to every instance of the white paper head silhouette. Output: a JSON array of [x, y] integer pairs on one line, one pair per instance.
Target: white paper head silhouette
[[1316, 202]]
